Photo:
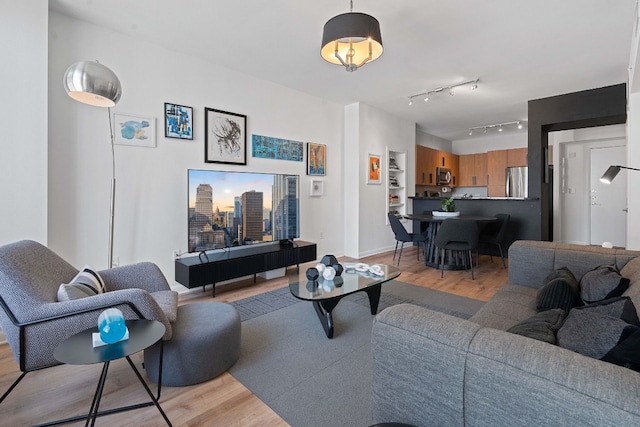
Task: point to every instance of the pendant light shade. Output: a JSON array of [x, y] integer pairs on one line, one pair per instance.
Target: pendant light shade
[[351, 40], [92, 83]]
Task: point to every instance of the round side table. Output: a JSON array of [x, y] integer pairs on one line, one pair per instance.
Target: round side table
[[78, 350]]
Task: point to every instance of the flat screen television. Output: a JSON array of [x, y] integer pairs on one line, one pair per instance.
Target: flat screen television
[[241, 208]]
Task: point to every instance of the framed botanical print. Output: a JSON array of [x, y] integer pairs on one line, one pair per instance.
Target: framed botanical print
[[225, 138]]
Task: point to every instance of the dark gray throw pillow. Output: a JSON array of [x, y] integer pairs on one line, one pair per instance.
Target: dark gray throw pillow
[[541, 326], [602, 283], [560, 289], [602, 331]]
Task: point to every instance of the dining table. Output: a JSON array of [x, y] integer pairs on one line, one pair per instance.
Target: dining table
[[452, 260]]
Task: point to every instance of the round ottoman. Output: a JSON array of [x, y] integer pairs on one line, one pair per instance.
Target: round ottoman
[[205, 343]]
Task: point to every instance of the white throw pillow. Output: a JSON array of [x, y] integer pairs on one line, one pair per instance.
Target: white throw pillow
[[86, 283]]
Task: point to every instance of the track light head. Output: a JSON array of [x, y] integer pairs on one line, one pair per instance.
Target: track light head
[[470, 132], [410, 101], [519, 125], [426, 98]]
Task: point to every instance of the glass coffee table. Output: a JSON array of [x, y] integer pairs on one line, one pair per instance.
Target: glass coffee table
[[325, 294]]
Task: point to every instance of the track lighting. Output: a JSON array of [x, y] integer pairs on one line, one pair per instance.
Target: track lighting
[[427, 93], [499, 126], [410, 101]]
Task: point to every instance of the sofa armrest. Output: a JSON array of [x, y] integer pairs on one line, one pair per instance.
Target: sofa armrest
[[516, 381], [143, 275], [418, 366]]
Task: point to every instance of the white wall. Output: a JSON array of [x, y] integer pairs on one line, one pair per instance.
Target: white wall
[[491, 141], [23, 84], [633, 178], [572, 148], [371, 132], [151, 198], [432, 141]]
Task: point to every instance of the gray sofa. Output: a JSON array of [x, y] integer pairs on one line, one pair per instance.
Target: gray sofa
[[432, 369]]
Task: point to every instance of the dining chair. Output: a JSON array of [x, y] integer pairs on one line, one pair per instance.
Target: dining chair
[[457, 235], [403, 236], [493, 234]]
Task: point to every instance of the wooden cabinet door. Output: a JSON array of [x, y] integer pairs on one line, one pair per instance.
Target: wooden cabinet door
[[496, 165], [496, 191], [465, 170], [420, 166], [454, 166], [480, 170], [426, 159], [517, 157]]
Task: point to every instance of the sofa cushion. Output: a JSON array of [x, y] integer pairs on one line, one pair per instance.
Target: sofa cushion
[[602, 283], [541, 326], [86, 283], [608, 330], [560, 289]]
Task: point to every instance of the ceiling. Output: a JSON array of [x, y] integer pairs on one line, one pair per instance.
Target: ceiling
[[520, 49]]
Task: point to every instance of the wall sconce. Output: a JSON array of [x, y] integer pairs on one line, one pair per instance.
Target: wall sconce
[[500, 126], [612, 171], [427, 93]]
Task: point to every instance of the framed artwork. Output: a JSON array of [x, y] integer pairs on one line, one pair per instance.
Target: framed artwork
[[225, 139], [316, 159], [268, 147], [317, 188], [134, 130], [374, 173], [178, 121]]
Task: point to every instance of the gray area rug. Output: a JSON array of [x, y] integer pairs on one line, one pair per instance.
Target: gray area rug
[[288, 362]]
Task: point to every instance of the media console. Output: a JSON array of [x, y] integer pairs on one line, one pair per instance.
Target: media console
[[213, 267]]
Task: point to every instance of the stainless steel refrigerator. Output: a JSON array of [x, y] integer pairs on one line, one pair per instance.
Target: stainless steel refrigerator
[[517, 183]]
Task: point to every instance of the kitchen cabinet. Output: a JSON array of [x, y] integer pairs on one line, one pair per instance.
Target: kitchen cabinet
[[472, 170], [496, 165], [517, 157], [426, 163], [449, 161]]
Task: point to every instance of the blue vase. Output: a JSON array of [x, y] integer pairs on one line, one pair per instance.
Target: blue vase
[[111, 325]]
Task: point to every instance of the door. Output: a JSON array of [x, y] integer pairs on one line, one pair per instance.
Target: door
[[608, 202]]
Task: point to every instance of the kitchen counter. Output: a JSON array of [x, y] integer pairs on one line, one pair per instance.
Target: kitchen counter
[[476, 198], [524, 213]]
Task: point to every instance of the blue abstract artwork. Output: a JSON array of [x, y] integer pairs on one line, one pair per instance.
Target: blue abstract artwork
[[268, 147], [132, 130]]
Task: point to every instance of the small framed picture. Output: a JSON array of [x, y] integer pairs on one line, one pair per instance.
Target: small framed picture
[[134, 130], [317, 188], [178, 121], [374, 173], [316, 159], [225, 139]]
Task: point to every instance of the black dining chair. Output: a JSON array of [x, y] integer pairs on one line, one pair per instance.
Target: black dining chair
[[403, 236], [457, 235], [493, 234]]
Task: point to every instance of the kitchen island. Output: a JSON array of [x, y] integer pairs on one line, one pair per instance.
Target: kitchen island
[[522, 225]]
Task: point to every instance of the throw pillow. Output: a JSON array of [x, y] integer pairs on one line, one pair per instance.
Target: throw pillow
[[541, 326], [560, 289], [86, 283], [601, 331], [602, 283]]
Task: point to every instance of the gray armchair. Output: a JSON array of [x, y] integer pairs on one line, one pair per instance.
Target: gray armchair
[[34, 322]]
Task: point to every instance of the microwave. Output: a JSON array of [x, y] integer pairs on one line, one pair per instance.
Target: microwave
[[443, 176]]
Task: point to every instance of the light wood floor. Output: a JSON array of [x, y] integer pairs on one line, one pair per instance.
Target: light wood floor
[[65, 391]]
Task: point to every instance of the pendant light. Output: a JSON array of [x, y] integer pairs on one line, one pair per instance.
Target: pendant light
[[351, 40]]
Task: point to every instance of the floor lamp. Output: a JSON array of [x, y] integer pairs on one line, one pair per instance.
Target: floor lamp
[[612, 171], [92, 83]]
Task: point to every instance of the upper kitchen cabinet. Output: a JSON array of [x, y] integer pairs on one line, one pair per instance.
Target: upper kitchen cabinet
[[517, 157], [426, 163], [473, 170], [450, 161]]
